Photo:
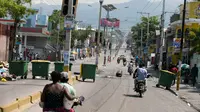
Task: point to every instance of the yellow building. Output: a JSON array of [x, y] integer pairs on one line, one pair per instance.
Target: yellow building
[[192, 10]]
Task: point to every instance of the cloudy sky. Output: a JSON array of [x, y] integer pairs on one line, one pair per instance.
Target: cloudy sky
[[128, 16]]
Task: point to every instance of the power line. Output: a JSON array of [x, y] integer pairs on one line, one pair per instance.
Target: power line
[[151, 4], [157, 6], [146, 5]]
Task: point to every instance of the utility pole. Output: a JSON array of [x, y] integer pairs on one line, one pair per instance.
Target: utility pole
[[57, 40], [141, 42], [147, 34], [98, 37], [162, 34], [108, 8], [106, 35], [68, 12], [147, 23], [181, 47]]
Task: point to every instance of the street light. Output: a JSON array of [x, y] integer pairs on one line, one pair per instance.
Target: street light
[[108, 8], [98, 37]]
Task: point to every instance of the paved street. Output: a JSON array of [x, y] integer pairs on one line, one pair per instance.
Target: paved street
[[112, 94]]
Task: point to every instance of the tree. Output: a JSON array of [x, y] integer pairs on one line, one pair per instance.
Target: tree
[[3, 8], [153, 26], [17, 10], [80, 35], [195, 40], [55, 19]]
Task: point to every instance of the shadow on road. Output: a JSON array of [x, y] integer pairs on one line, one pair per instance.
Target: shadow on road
[[87, 81], [170, 90], [131, 95]]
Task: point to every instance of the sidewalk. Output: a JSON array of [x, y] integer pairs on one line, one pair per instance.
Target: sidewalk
[[186, 93]]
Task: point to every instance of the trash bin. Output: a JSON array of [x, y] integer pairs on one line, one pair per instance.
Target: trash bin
[[70, 66], [166, 79], [59, 66], [88, 71], [19, 68], [40, 68]]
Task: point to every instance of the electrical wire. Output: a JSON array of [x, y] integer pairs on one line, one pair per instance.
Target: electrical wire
[[157, 6], [151, 4], [146, 5]]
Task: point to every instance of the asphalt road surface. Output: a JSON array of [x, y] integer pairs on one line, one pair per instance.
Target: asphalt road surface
[[113, 94]]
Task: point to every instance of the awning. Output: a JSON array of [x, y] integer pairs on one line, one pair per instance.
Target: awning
[[34, 32], [50, 47]]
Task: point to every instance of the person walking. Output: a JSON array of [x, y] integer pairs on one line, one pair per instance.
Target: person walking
[[194, 73]]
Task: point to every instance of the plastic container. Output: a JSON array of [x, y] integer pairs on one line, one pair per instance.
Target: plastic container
[[166, 79], [19, 68]]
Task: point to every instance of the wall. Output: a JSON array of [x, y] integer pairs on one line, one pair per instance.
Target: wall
[[4, 42], [192, 10], [39, 44]]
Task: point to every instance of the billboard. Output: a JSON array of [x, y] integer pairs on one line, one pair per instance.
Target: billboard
[[104, 22], [192, 10]]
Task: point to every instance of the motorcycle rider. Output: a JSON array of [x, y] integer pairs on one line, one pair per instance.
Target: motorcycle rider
[[72, 92], [140, 74]]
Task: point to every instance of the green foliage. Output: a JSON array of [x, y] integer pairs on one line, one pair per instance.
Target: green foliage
[[3, 8], [18, 10], [153, 26], [56, 19], [195, 40]]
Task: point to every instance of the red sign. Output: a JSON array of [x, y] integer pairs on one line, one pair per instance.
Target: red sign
[[104, 22]]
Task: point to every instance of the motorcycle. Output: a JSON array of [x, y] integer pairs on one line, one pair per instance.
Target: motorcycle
[[124, 63], [118, 60], [140, 87], [130, 68], [78, 101]]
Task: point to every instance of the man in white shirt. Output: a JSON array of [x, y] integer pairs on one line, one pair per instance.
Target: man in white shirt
[[140, 74]]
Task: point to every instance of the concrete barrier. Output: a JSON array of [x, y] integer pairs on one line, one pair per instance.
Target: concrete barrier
[[23, 101], [35, 97], [10, 107]]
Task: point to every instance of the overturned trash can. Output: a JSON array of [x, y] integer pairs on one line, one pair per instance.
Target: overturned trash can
[[88, 71], [166, 79], [119, 73]]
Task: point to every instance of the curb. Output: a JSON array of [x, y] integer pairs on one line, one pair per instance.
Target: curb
[[188, 103], [20, 103]]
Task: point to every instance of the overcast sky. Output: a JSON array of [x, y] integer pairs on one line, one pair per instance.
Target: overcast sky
[[130, 14], [58, 2]]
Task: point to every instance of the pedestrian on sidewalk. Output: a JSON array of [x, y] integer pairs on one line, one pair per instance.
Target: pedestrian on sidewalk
[[173, 69], [194, 73], [53, 95]]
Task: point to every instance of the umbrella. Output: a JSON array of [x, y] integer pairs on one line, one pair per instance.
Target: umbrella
[[185, 66], [74, 52]]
